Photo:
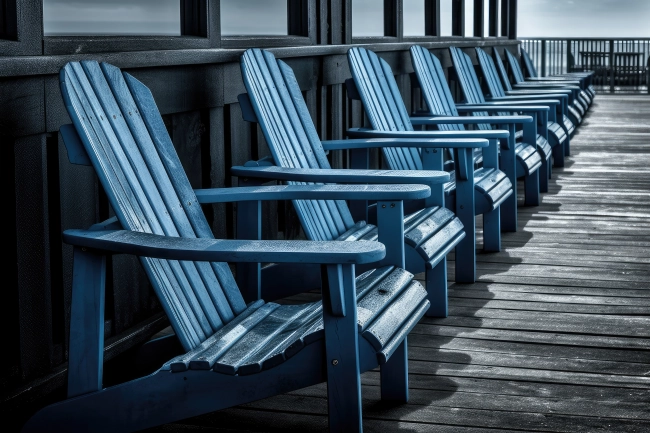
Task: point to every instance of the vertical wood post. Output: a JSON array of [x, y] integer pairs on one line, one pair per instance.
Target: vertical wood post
[[612, 67], [494, 18], [479, 11], [543, 63], [458, 18], [432, 18]]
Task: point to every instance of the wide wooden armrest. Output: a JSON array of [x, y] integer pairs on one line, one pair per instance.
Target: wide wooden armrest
[[326, 175], [469, 120], [369, 143], [225, 250], [495, 107], [534, 97], [371, 133], [313, 192], [540, 92], [546, 85], [551, 79]]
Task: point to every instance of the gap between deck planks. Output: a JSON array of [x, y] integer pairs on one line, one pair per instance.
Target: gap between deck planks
[[555, 334]]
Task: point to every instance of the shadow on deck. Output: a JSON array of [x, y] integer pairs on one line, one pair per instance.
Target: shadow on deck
[[555, 334]]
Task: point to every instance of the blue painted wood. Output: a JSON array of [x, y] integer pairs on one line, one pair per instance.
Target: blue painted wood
[[570, 118], [75, 149], [437, 95], [276, 346], [393, 347], [98, 148], [428, 177], [584, 76], [447, 140], [327, 192], [378, 297], [168, 157], [394, 375], [549, 82], [391, 214], [388, 116], [342, 353], [182, 362], [86, 353], [249, 226], [473, 93], [200, 249], [258, 337], [281, 111]]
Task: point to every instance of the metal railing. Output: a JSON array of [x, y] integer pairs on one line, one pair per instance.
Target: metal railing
[[620, 64]]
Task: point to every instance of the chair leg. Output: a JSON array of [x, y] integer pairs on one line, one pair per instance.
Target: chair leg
[[342, 351], [531, 189], [567, 146], [558, 155], [544, 174], [492, 230], [508, 209], [394, 376], [436, 284]]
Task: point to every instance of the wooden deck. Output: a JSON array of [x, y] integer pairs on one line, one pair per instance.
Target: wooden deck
[[554, 337]]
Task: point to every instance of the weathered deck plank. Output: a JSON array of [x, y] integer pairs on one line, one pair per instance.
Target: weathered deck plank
[[555, 335]]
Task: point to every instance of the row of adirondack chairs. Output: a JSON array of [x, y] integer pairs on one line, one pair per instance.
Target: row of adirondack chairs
[[369, 232]]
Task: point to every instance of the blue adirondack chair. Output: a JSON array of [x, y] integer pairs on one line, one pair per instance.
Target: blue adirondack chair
[[473, 192], [471, 88], [569, 109], [582, 76], [583, 93], [577, 108], [439, 102], [565, 115], [274, 101], [234, 352]]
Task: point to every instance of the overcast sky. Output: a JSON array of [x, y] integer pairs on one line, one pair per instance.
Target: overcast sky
[[562, 18], [584, 18]]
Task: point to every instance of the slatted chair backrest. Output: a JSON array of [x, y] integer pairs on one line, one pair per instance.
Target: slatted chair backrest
[[383, 104], [515, 67], [469, 83], [501, 69], [434, 87], [490, 74], [528, 63], [291, 135], [137, 165]]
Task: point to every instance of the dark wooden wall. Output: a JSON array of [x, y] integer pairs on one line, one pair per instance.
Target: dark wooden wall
[[195, 80]]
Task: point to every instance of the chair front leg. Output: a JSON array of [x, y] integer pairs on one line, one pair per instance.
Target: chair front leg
[[436, 278], [507, 164], [342, 349], [532, 180], [492, 219], [465, 211], [394, 376], [86, 355]]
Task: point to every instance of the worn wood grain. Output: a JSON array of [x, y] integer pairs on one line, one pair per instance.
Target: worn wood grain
[[555, 334]]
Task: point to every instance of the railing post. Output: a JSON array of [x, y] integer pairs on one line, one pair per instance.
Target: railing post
[[612, 66], [543, 58], [569, 56]]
